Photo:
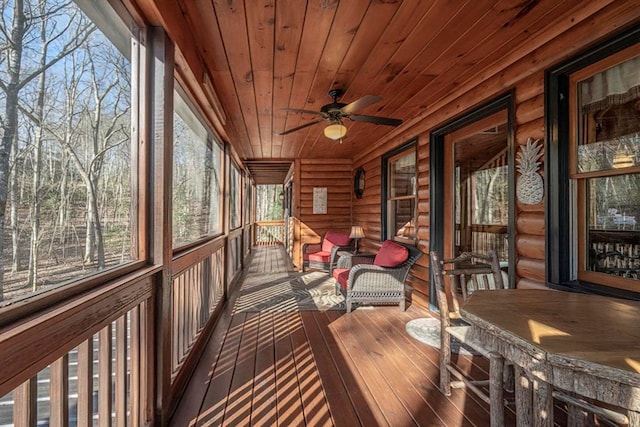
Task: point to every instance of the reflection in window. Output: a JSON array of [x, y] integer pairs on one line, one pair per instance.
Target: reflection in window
[[613, 206], [68, 186], [401, 195], [607, 146], [482, 190], [609, 105], [197, 162]]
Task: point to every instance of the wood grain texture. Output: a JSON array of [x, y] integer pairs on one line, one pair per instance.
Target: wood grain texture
[[417, 55], [531, 223], [325, 368], [25, 403], [531, 246], [29, 346], [59, 391], [575, 352], [533, 269], [336, 176]]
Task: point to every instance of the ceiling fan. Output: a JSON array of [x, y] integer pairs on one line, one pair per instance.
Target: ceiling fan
[[337, 111]]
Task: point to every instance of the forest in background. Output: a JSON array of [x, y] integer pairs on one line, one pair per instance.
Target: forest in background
[[65, 152]]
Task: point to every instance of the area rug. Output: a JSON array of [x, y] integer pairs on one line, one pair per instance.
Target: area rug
[[289, 292], [427, 331]]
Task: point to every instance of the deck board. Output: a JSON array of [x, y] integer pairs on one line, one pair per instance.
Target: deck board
[[287, 387], [263, 405], [321, 368], [329, 375], [424, 360]]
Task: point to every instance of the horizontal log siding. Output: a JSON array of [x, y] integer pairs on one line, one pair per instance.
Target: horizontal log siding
[[570, 33], [530, 239], [335, 175], [367, 211]]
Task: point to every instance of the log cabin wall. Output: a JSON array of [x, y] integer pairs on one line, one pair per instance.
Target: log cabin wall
[[525, 76], [335, 176]]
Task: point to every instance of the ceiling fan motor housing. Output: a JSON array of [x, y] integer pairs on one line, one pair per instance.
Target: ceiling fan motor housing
[[336, 111], [333, 108]]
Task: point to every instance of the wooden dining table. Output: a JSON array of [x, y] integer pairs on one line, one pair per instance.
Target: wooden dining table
[[579, 348]]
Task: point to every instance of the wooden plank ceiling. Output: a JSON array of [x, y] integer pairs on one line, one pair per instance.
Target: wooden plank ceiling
[[263, 56]]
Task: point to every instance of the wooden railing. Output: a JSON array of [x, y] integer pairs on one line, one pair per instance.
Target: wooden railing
[[247, 240], [484, 238], [81, 362], [269, 233], [234, 252], [96, 359], [198, 291]]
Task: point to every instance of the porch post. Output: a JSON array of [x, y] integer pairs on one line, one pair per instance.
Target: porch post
[[161, 199]]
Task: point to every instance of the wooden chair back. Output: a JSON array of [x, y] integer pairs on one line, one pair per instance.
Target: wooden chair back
[[465, 274]]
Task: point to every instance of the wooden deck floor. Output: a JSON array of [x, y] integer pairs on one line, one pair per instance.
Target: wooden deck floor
[[321, 369]]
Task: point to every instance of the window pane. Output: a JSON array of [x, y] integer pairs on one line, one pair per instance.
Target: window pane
[[247, 201], [269, 202], [609, 118], [490, 197], [481, 189], [68, 192], [234, 197], [613, 206], [196, 180], [401, 218], [402, 173]]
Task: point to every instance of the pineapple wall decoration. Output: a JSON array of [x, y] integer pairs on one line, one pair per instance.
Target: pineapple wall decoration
[[529, 186]]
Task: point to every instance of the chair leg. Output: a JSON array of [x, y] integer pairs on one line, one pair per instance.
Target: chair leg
[[523, 396], [348, 305], [509, 377], [445, 361], [496, 389], [402, 305]]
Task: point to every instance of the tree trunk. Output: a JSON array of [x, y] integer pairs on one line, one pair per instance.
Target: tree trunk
[[32, 277], [11, 116], [94, 238], [90, 235], [97, 227], [14, 202]]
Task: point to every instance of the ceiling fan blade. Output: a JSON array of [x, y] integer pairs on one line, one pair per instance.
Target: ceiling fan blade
[[286, 132], [298, 110], [359, 104], [375, 120]]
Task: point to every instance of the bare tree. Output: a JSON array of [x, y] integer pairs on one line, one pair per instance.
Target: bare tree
[[100, 138], [15, 77], [32, 278]]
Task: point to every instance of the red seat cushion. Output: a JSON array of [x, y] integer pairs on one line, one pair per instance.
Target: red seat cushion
[[391, 254], [321, 256], [334, 238], [342, 277]]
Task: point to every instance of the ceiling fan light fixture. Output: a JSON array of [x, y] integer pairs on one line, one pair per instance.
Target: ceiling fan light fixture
[[335, 131]]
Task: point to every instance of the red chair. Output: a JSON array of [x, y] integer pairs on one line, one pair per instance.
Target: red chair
[[365, 279], [323, 255]]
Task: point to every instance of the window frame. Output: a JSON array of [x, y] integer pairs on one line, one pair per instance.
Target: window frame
[[387, 158], [581, 178], [235, 195], [131, 39], [438, 180], [565, 188], [212, 141]]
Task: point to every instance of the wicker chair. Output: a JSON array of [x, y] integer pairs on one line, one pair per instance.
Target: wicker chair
[[467, 273], [365, 279], [323, 255]]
